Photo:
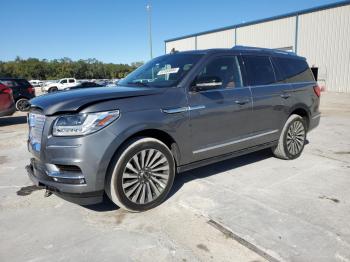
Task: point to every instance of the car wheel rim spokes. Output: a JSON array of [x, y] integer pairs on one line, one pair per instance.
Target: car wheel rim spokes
[[145, 176], [295, 138], [22, 105]]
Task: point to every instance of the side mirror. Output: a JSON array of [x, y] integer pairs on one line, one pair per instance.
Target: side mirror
[[207, 83]]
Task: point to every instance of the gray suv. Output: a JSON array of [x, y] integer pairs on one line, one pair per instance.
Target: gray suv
[[175, 113]]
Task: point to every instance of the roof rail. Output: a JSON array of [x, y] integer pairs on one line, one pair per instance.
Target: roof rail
[[242, 47]]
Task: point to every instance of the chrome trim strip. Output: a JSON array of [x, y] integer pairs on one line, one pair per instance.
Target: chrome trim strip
[[192, 108], [63, 146], [175, 110], [57, 174], [235, 141], [316, 116], [182, 109]]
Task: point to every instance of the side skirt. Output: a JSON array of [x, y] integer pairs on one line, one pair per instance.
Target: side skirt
[[216, 159]]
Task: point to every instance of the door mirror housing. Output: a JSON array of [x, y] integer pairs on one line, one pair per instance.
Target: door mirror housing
[[207, 83]]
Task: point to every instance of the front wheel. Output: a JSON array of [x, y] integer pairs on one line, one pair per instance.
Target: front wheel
[[292, 139], [141, 175]]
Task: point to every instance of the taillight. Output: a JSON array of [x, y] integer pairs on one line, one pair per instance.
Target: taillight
[[5, 89], [31, 90], [317, 90]]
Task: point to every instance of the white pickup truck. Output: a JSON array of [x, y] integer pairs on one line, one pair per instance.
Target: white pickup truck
[[61, 84]]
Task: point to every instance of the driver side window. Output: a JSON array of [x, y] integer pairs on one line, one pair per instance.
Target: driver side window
[[221, 72]]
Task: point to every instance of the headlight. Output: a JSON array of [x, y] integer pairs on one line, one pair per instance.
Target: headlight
[[83, 124]]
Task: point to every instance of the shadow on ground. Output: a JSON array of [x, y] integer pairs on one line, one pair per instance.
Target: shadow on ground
[[202, 172], [12, 120], [219, 167]]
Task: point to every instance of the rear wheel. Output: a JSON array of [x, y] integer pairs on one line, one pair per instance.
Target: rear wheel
[[292, 139], [142, 175], [22, 104], [53, 89]]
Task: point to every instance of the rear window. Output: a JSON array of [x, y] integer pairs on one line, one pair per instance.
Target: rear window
[[259, 70], [9, 83], [22, 82], [293, 70], [71, 80]]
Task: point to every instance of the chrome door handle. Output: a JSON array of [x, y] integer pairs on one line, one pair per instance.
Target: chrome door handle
[[285, 96], [242, 102]]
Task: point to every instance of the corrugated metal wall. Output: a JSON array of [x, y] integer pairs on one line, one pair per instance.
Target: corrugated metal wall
[[324, 39], [181, 45], [273, 34], [222, 39]]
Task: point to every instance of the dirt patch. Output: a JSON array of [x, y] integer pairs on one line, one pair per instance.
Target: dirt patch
[[3, 159], [120, 217], [329, 198], [25, 191], [203, 247]]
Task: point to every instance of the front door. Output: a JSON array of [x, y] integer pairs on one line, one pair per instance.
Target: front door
[[220, 108]]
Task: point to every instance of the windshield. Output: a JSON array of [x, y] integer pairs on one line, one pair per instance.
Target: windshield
[[163, 71]]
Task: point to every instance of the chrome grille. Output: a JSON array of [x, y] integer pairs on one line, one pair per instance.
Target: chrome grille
[[36, 126]]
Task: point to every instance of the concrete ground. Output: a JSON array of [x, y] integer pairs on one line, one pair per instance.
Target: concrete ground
[[251, 208]]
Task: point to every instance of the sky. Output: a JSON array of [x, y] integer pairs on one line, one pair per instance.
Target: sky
[[116, 31]]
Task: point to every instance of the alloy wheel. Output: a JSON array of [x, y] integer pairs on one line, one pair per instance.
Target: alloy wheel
[[145, 176], [295, 138]]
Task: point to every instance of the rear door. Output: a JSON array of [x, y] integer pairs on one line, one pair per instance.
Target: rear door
[[269, 98], [71, 82], [220, 108]]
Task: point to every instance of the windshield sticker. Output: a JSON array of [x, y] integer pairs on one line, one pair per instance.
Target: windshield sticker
[[168, 71]]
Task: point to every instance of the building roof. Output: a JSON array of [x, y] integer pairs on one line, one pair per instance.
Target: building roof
[[300, 12]]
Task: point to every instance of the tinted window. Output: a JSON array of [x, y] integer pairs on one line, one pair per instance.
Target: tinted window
[[64, 81], [9, 83], [71, 80], [223, 69], [259, 70], [22, 82], [293, 70]]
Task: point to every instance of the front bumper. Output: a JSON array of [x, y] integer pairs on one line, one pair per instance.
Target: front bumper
[[72, 193]]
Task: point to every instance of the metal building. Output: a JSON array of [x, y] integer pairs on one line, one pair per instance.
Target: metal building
[[320, 34]]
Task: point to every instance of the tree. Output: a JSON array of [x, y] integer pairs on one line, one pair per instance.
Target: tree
[[33, 68]]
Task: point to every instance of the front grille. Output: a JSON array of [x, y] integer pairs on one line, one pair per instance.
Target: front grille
[[36, 126]]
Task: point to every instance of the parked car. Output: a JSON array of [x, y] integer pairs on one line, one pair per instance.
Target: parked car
[[61, 84], [175, 113], [84, 85], [36, 83], [22, 90], [7, 103]]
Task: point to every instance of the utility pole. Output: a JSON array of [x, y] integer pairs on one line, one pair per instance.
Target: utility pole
[[149, 11]]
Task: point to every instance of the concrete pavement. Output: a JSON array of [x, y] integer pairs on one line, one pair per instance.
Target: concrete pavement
[[252, 208]]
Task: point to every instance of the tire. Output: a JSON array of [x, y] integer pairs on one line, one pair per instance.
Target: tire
[[292, 139], [53, 89], [141, 175], [22, 104]]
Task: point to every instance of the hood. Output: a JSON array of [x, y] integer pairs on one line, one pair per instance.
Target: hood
[[75, 100]]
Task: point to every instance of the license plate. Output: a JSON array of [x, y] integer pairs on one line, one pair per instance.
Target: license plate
[[36, 126]]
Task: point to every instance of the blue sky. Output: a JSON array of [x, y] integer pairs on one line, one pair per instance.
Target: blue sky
[[115, 30]]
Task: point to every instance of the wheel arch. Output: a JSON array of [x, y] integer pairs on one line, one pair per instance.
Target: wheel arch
[[21, 97], [303, 111], [155, 133]]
